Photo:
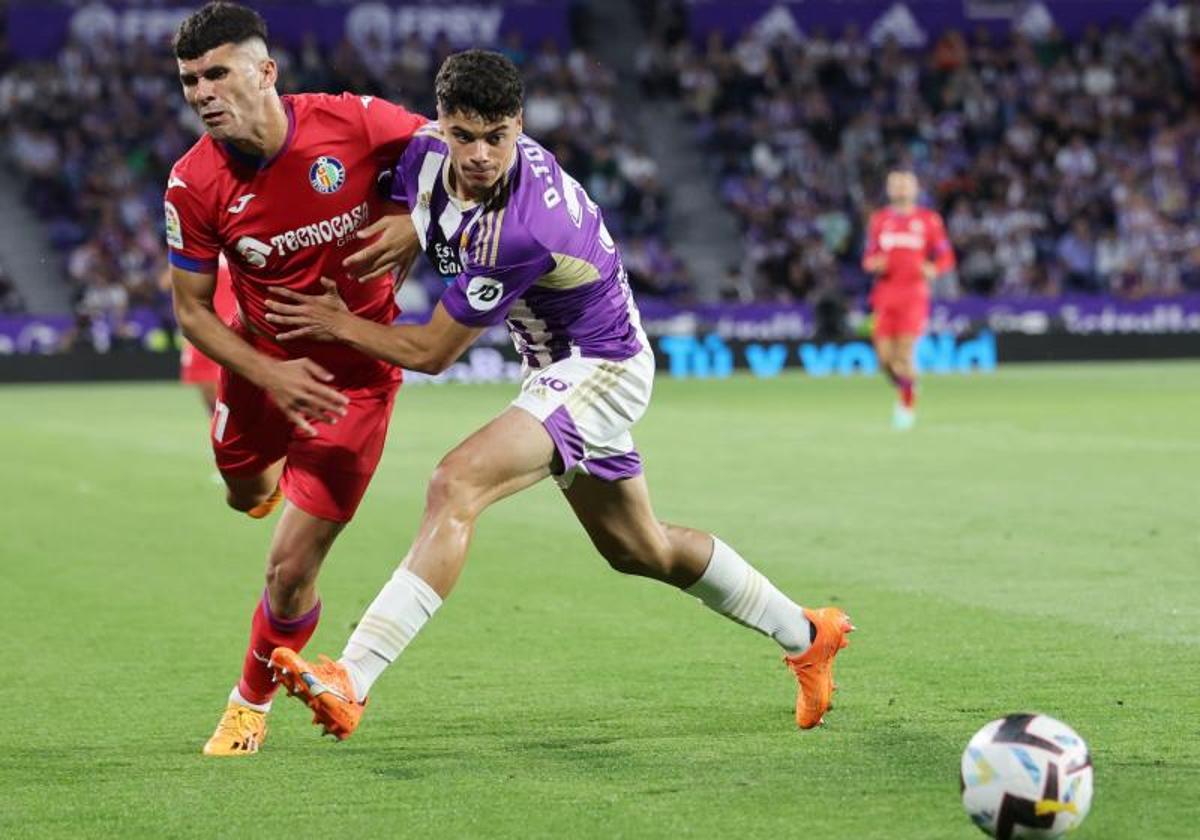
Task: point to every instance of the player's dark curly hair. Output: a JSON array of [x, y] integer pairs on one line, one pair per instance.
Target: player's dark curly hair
[[479, 82], [216, 24]]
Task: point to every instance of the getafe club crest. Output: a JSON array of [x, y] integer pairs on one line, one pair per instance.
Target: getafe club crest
[[327, 174]]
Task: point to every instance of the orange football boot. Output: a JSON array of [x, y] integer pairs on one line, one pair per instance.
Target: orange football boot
[[241, 731], [325, 687], [264, 508], [814, 667]]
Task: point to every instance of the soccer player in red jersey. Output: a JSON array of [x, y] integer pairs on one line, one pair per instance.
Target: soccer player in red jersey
[[906, 248], [194, 367], [285, 188]]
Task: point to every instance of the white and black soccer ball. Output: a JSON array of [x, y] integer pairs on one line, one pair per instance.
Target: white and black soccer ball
[[1026, 775]]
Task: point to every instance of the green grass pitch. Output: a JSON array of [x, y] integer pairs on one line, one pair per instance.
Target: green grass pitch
[[1034, 544]]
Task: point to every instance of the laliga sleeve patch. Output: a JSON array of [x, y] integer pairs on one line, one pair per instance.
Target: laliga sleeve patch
[[174, 228], [483, 293]]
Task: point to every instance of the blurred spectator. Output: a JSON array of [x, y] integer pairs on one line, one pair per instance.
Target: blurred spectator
[[11, 301], [1077, 254], [654, 270]]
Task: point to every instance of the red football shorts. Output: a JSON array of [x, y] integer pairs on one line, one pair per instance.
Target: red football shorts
[[195, 367], [896, 318], [326, 475]]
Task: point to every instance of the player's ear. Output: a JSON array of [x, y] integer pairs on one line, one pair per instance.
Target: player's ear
[[520, 121], [268, 73]]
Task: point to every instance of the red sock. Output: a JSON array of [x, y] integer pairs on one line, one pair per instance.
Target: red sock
[[267, 633], [908, 395]]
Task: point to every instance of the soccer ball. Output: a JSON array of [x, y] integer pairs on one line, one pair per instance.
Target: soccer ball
[[1026, 776]]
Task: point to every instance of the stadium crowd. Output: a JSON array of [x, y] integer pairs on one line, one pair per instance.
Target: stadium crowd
[[1057, 166], [93, 136]]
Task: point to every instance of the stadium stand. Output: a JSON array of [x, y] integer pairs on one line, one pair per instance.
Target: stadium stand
[[93, 135], [1058, 166]]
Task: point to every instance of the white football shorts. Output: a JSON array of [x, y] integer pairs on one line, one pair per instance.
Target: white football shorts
[[588, 406]]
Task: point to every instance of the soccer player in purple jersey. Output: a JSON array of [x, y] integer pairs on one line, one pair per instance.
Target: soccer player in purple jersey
[[526, 244]]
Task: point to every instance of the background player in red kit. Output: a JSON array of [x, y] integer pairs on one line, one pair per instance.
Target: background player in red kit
[[906, 248], [194, 367], [285, 187]]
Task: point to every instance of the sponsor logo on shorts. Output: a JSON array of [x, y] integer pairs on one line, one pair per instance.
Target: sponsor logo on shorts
[[483, 293], [174, 227], [327, 174], [553, 384]]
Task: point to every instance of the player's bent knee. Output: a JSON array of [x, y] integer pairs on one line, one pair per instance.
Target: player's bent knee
[[244, 493], [287, 576], [242, 501], [643, 561], [451, 490]]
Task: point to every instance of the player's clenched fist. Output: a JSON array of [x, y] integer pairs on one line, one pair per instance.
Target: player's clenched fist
[[297, 387]]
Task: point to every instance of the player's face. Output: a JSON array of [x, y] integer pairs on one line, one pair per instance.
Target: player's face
[[902, 188], [227, 87], [479, 151]]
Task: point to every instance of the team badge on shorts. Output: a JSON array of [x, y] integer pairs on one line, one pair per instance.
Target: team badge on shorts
[[327, 174]]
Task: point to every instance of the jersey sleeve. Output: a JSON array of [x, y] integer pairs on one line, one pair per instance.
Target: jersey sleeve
[[192, 242], [940, 249], [403, 177], [484, 292], [406, 175], [389, 127]]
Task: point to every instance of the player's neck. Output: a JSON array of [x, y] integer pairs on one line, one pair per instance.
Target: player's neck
[[457, 190], [268, 137], [905, 208]]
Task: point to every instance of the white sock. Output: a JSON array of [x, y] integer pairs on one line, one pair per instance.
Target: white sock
[[735, 589], [398, 612], [235, 696]]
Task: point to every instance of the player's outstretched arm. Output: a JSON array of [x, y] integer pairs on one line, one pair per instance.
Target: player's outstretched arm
[[427, 348], [297, 386]]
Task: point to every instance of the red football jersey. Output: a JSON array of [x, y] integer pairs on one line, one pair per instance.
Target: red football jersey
[[909, 240], [291, 219]]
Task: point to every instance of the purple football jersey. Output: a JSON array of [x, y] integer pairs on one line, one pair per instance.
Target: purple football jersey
[[542, 260]]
